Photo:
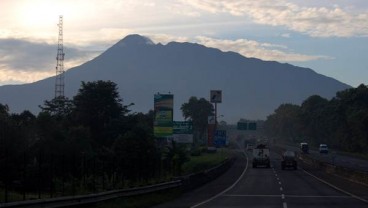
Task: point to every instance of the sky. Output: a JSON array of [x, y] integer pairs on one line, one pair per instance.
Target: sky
[[328, 36]]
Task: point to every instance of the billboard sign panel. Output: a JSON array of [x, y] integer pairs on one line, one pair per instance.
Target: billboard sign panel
[[163, 120], [183, 131]]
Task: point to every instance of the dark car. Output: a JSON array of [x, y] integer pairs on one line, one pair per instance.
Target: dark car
[[289, 160]]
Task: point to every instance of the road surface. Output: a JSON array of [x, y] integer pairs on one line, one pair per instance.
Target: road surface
[[335, 159], [268, 187]]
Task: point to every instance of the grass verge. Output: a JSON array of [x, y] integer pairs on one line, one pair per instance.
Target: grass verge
[[205, 161]]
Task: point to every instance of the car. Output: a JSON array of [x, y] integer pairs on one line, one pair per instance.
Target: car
[[323, 148], [289, 160]]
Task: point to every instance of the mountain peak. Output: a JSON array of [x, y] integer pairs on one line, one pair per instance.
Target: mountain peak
[[136, 39]]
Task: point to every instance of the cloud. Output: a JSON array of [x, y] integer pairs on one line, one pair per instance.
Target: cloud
[[264, 51], [314, 21], [286, 35], [245, 47], [27, 61]]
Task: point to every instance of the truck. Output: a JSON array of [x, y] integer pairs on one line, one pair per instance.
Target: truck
[[304, 147], [261, 156]]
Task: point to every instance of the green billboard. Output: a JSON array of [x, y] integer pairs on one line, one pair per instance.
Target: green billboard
[[163, 120]]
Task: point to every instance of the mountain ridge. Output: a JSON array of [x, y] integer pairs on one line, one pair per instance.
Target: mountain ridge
[[252, 88]]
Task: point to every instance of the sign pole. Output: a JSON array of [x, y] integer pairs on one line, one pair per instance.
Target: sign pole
[[215, 116]]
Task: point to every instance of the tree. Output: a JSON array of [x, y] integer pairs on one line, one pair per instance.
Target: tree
[[59, 107], [198, 111], [176, 155], [98, 106], [285, 122]]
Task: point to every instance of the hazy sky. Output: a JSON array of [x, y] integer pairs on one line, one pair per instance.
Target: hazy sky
[[329, 36]]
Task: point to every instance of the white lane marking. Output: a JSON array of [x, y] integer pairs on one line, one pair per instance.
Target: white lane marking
[[276, 175], [251, 195], [279, 182], [284, 205], [296, 196], [278, 179], [283, 196], [281, 189], [339, 189], [224, 191]]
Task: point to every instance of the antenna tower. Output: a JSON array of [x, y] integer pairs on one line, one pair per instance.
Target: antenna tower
[[59, 84]]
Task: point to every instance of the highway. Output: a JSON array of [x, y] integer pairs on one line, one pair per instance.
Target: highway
[[333, 158], [269, 187]]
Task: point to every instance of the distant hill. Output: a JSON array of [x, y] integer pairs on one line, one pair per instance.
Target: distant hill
[[251, 88]]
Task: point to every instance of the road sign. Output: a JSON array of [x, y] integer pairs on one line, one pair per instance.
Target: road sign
[[252, 126], [216, 96], [247, 126], [220, 138], [211, 120], [183, 127], [242, 125], [183, 131]]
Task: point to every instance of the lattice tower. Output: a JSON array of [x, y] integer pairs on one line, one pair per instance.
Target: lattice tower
[[60, 84]]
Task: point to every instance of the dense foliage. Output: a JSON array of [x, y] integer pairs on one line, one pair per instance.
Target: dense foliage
[[198, 110], [341, 122], [85, 144]]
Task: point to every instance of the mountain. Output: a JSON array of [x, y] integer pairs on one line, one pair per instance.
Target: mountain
[[251, 88]]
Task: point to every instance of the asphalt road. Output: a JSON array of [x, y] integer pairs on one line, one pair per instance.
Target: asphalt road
[[267, 187], [333, 158]]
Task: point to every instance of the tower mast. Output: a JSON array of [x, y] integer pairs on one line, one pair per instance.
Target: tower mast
[[59, 84]]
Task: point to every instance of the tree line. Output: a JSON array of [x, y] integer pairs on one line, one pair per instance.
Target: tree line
[[89, 143], [341, 122]]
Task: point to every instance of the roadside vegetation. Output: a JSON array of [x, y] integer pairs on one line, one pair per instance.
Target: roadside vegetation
[[90, 143], [341, 122]]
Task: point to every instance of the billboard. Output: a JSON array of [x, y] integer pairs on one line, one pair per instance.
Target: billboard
[[183, 131], [163, 120]]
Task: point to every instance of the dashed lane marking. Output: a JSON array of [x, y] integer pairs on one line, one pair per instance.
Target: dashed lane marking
[[284, 205]]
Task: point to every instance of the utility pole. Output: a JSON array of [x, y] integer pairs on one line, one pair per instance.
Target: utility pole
[[59, 84]]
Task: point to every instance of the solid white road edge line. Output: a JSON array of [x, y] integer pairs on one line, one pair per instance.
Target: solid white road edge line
[[232, 186], [339, 189], [283, 196]]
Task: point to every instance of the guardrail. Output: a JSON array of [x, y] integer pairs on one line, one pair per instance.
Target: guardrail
[[93, 198], [185, 183], [194, 180]]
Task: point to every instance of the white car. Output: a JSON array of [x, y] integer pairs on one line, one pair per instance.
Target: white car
[[323, 148]]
